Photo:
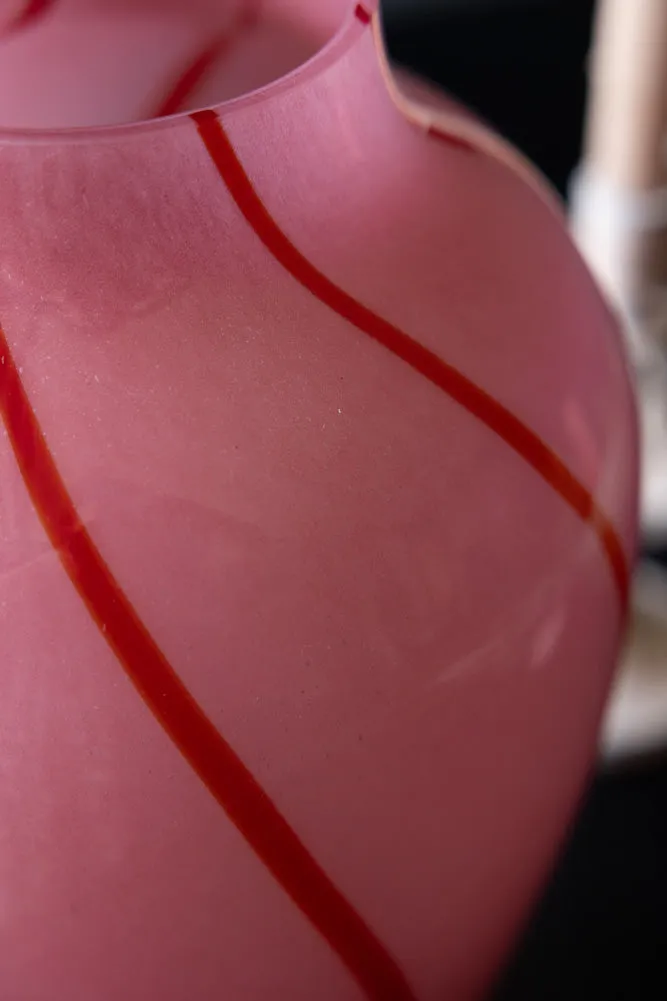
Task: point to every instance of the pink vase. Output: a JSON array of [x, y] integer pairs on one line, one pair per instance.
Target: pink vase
[[317, 503]]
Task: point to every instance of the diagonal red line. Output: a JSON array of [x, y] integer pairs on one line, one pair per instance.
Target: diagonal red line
[[362, 14], [221, 770], [202, 64], [437, 132], [192, 76], [32, 10], [471, 397]]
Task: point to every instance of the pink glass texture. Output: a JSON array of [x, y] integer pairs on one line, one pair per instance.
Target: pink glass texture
[[317, 504]]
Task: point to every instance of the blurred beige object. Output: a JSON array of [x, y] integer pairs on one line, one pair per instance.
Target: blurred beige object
[[611, 234], [635, 721], [619, 219]]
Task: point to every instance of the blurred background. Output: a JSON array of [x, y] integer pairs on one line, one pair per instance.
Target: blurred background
[[521, 64], [600, 931]]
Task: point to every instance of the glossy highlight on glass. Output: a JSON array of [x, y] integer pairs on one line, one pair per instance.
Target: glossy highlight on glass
[[318, 439]]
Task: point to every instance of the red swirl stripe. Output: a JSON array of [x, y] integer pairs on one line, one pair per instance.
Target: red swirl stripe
[[192, 77], [362, 14], [437, 132], [218, 766], [32, 11], [466, 393], [201, 65]]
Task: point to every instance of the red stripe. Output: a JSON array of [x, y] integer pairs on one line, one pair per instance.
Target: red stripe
[[436, 132], [192, 77], [33, 10], [362, 14], [234, 787], [471, 397], [197, 70]]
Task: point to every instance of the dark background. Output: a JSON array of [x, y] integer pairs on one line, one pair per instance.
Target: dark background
[[520, 63], [600, 933]]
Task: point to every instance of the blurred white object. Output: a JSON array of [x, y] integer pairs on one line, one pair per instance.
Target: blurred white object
[[637, 715], [619, 220], [611, 226]]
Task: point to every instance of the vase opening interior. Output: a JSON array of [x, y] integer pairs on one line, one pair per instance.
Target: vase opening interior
[[92, 63]]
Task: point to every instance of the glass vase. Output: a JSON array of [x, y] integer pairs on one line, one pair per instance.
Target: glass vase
[[317, 505]]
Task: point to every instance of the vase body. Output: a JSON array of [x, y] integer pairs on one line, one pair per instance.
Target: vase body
[[317, 437]]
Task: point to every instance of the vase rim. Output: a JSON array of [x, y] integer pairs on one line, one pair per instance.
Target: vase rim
[[347, 32]]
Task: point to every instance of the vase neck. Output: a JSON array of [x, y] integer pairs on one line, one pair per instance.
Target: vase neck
[[92, 63]]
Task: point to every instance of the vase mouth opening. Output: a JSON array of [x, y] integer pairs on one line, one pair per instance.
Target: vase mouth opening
[[76, 67]]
